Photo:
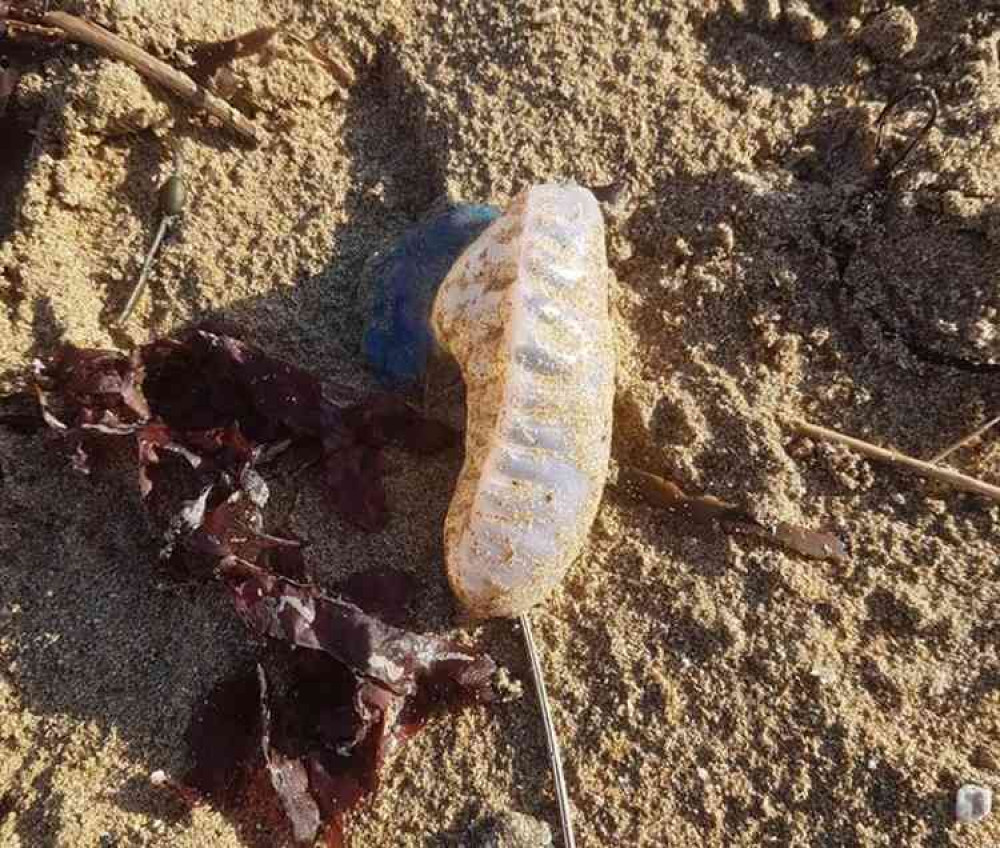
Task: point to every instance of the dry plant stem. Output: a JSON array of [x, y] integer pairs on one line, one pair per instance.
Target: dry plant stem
[[152, 68], [908, 463], [966, 439], [551, 740]]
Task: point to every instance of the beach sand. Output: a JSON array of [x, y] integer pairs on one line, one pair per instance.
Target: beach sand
[[709, 690]]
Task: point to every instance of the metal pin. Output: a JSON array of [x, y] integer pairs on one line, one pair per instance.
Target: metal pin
[[551, 740], [171, 203]]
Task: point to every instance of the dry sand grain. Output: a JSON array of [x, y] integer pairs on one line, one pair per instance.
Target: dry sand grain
[[709, 691]]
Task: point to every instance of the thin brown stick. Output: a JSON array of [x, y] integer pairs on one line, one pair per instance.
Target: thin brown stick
[[152, 68], [908, 463], [961, 443]]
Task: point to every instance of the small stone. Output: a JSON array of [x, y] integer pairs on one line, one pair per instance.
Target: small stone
[[803, 25], [973, 803], [507, 829], [158, 777], [891, 34], [508, 689], [725, 237]]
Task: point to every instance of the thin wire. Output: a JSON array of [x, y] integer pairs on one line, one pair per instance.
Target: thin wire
[[565, 816]]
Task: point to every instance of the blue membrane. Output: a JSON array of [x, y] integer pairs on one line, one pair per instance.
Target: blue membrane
[[397, 342]]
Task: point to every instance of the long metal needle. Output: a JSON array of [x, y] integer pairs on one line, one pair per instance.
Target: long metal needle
[[555, 757], [144, 274]]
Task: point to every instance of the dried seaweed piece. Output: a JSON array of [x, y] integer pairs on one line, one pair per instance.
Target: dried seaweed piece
[[223, 734], [227, 742], [299, 757], [353, 464], [668, 495], [288, 776], [382, 592], [82, 392], [285, 556], [301, 615], [353, 476], [205, 380], [215, 400], [224, 523], [324, 735], [352, 461], [82, 388]]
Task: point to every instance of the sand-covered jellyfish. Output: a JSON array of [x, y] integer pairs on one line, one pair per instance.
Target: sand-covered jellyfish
[[523, 309]]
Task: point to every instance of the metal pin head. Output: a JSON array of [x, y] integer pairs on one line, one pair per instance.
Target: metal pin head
[[173, 195]]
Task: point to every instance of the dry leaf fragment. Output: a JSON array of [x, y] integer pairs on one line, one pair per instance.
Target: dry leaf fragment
[[665, 494]]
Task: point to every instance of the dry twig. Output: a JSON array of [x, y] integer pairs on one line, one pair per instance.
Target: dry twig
[[86, 32], [961, 443], [907, 463]]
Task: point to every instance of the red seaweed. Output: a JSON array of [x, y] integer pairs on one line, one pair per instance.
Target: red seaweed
[[286, 751]]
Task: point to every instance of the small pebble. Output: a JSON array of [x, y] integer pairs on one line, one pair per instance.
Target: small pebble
[[508, 688], [507, 829], [891, 34], [973, 803], [158, 777], [803, 25], [725, 237], [766, 12]]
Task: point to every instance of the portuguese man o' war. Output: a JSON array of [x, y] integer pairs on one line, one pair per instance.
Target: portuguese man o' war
[[524, 311], [521, 302]]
